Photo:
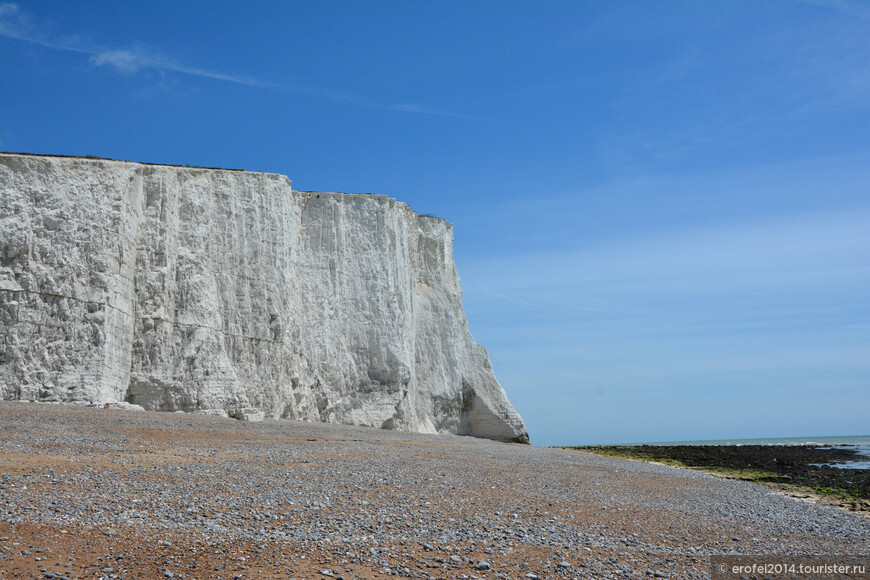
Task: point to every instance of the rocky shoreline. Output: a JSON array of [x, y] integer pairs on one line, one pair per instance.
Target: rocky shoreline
[[89, 493], [809, 468]]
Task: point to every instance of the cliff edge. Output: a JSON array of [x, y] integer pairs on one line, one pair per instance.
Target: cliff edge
[[227, 292]]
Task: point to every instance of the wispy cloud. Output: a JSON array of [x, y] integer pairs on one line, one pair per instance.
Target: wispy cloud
[[755, 260], [130, 61], [428, 111], [511, 298], [769, 308], [851, 8], [13, 22], [18, 25], [123, 60]]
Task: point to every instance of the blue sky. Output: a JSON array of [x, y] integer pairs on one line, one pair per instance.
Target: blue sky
[[661, 209]]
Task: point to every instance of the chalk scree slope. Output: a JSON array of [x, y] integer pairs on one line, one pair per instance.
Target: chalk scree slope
[[227, 292]]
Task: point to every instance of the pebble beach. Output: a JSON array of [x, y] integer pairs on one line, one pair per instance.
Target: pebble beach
[[105, 493]]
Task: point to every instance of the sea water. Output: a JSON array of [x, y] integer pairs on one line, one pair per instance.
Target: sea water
[[861, 444]]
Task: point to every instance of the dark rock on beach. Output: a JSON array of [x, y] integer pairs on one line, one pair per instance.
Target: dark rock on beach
[[812, 466]]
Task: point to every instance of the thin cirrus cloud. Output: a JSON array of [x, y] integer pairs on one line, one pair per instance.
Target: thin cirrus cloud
[[123, 60], [782, 255], [18, 25], [726, 313], [778, 286]]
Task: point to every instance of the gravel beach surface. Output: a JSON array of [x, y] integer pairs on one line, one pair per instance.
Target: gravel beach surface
[[91, 493]]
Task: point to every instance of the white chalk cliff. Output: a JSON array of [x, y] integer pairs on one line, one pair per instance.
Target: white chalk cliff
[[227, 292]]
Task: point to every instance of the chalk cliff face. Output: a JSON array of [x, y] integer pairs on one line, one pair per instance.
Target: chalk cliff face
[[229, 293]]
